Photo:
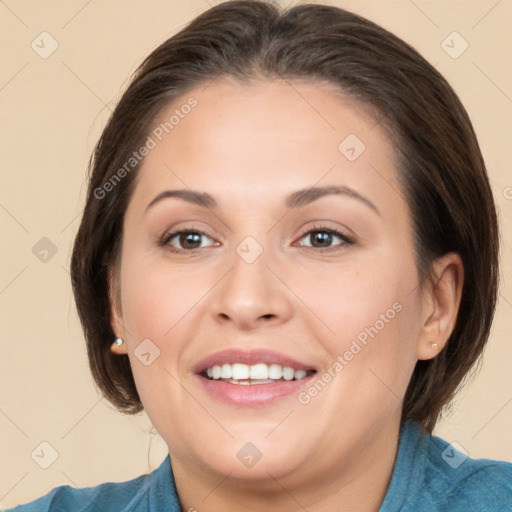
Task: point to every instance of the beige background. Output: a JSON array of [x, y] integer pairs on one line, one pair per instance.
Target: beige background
[[53, 111]]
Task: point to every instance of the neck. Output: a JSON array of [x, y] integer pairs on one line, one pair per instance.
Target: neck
[[358, 485]]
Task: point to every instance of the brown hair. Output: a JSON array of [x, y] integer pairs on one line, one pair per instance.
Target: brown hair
[[441, 168]]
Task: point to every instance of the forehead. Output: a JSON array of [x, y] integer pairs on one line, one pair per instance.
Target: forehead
[[264, 138]]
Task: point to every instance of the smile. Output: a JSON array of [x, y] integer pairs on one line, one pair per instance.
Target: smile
[[252, 378]]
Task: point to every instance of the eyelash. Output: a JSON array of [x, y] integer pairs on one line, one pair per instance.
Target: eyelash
[[167, 237]]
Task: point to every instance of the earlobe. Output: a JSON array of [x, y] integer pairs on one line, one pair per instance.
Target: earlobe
[[440, 305], [118, 346]]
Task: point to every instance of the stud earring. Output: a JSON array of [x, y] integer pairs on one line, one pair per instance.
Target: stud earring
[[118, 342], [434, 346]]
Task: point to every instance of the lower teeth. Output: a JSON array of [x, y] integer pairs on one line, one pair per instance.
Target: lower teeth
[[249, 382]]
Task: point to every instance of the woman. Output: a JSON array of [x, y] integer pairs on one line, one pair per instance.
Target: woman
[[288, 258]]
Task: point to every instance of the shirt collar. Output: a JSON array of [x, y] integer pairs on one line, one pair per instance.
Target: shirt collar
[[408, 473], [163, 494]]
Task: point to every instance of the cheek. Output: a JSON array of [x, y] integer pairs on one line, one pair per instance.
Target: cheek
[[159, 302], [156, 297], [351, 300], [366, 316]]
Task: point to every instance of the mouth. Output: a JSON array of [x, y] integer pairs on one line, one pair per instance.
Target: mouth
[[250, 378]]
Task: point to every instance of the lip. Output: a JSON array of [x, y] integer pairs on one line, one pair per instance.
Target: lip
[[256, 394], [249, 357]]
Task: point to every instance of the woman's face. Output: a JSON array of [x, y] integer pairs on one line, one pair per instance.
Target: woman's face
[[299, 265]]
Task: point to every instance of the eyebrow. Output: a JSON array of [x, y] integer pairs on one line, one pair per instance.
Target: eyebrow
[[294, 200]]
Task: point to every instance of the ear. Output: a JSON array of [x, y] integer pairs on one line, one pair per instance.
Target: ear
[[116, 316], [440, 305]]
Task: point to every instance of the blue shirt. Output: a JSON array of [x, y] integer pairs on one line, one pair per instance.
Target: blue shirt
[[429, 476]]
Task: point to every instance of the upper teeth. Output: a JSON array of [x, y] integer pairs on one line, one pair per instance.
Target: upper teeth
[[260, 371]]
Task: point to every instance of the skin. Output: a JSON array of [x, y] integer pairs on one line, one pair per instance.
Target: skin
[[249, 146]]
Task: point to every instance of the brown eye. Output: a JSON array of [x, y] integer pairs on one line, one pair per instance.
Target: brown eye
[[186, 240], [324, 238]]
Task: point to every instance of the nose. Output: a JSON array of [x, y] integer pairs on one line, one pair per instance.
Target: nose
[[252, 295]]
